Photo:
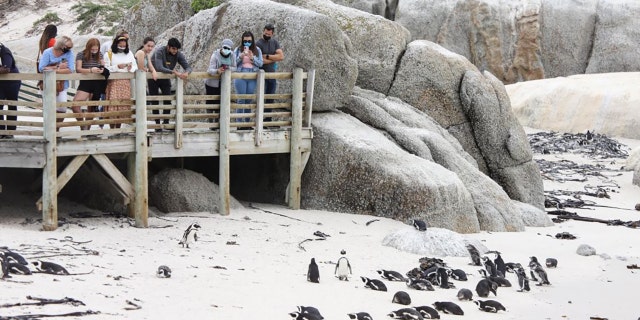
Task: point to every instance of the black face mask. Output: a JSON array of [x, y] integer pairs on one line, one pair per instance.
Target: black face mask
[[65, 50], [266, 38]]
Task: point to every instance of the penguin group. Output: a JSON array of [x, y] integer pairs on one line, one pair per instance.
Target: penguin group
[[12, 262]]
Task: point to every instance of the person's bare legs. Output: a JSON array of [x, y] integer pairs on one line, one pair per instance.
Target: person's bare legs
[[80, 96]]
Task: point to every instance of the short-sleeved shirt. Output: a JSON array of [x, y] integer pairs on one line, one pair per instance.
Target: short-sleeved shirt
[[268, 47], [88, 63]]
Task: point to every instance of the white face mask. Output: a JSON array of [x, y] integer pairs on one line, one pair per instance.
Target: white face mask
[[122, 48], [226, 52]]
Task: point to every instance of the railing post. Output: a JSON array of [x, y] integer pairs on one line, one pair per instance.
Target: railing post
[[179, 112], [308, 109], [295, 173], [50, 170], [259, 107], [223, 152], [141, 194]]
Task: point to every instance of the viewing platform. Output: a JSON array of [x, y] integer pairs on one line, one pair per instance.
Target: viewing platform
[[196, 128]]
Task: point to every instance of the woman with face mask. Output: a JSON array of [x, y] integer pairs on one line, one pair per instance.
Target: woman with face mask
[[222, 59], [248, 59], [89, 61], [60, 59], [119, 59]]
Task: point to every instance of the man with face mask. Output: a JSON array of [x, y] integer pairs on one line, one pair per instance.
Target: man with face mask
[[221, 60], [271, 54], [165, 59]]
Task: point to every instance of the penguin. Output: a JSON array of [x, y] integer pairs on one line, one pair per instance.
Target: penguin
[[448, 307], [443, 279], [359, 316], [475, 255], [303, 316], [523, 281], [500, 265], [419, 284], [427, 312], [191, 233], [490, 305], [485, 286], [343, 267], [490, 266], [589, 136], [13, 256], [401, 297], [4, 266], [458, 274], [374, 284], [465, 295], [538, 270], [310, 310], [17, 268], [313, 274], [419, 225], [391, 275], [50, 268], [511, 266], [163, 272], [500, 281], [406, 314], [551, 263]]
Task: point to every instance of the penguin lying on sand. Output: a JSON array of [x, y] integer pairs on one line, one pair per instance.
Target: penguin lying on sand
[[427, 312], [374, 284], [401, 297], [50, 268], [359, 316], [448, 307], [490, 305]]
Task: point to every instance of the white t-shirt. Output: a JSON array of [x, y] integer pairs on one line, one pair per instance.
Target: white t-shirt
[[119, 58]]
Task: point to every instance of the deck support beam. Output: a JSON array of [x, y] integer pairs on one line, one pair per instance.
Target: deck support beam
[[224, 152], [50, 169], [295, 163], [140, 175]]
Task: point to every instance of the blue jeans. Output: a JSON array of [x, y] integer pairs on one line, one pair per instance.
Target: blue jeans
[[244, 86]]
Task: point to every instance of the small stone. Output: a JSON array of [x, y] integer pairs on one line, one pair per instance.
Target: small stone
[[586, 250], [605, 256], [638, 206]]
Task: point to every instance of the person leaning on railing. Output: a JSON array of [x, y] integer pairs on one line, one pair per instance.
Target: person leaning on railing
[[248, 59], [221, 59], [89, 61], [9, 89], [119, 59], [60, 59]]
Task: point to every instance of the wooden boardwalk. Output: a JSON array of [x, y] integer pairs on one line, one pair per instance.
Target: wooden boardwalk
[[196, 128]]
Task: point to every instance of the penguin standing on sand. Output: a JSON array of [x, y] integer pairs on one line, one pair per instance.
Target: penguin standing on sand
[[538, 270], [343, 267], [490, 266], [523, 281], [475, 255], [500, 265], [4, 266], [190, 235], [313, 274]]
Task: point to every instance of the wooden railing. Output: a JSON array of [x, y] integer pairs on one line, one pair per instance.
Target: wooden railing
[[187, 112]]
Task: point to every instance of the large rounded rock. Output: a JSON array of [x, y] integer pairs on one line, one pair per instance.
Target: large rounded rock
[[376, 43], [632, 160], [143, 20], [433, 242], [596, 102], [356, 169], [180, 190], [532, 216]]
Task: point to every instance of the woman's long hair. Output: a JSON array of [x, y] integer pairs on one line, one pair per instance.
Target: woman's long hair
[[50, 31], [87, 55], [145, 41], [253, 47], [114, 45]]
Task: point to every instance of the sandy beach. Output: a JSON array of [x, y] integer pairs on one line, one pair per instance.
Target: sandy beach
[[250, 264]]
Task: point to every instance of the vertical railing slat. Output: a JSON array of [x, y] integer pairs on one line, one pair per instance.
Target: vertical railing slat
[[259, 107], [308, 108], [179, 112]]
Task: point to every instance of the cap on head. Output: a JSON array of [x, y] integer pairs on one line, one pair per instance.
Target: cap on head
[[227, 43], [269, 26]]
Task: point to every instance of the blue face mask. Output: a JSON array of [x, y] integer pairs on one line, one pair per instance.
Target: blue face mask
[[247, 44], [226, 52]]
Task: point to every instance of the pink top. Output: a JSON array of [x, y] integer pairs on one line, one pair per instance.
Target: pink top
[[246, 62]]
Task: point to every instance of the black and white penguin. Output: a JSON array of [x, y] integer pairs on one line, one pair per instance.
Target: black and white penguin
[[313, 273], [427, 312], [475, 255], [4, 267], [490, 305], [406, 314], [343, 267], [538, 270], [359, 316], [420, 284], [391, 275], [443, 279], [589, 136], [458, 274], [448, 307], [374, 284], [50, 268], [419, 225], [12, 256], [485, 286], [511, 266], [523, 281], [303, 316], [465, 295], [163, 272], [310, 310], [401, 297], [500, 265], [551, 263], [490, 266], [17, 268], [500, 281], [190, 235]]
